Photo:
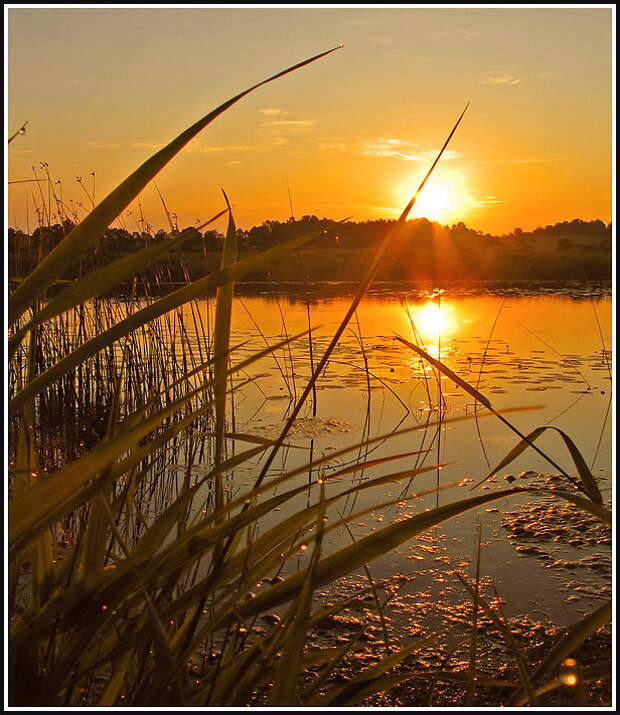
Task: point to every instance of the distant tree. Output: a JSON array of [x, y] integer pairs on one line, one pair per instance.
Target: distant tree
[[213, 240], [193, 239], [565, 244]]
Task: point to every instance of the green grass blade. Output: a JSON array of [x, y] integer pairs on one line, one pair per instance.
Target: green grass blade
[[597, 511], [374, 545], [473, 650], [297, 522], [338, 656], [588, 481]]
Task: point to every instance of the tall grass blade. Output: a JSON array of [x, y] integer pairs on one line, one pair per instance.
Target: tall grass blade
[[97, 282], [141, 317], [471, 686], [221, 337], [370, 680], [285, 690], [446, 371], [504, 629], [28, 511], [366, 283], [574, 637], [589, 483], [352, 557]]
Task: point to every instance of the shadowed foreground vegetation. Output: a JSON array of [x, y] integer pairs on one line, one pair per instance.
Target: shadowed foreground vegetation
[[133, 571]]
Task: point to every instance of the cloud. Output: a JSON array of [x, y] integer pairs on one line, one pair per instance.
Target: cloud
[[448, 155], [273, 112], [384, 147], [502, 79], [121, 145], [217, 149], [482, 203], [332, 145], [147, 145], [195, 147], [402, 149], [275, 142], [291, 123]]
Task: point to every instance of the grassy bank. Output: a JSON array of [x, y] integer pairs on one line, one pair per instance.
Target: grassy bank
[[489, 265]]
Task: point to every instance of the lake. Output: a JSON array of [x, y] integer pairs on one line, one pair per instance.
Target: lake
[[543, 349]]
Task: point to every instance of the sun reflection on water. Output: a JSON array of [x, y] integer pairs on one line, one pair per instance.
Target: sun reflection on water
[[434, 321]]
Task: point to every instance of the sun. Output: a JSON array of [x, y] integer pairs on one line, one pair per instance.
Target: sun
[[443, 198], [436, 202]]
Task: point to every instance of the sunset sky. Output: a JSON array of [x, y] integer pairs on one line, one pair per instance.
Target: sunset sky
[[352, 134]]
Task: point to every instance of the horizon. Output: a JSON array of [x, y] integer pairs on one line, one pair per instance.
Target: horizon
[[351, 135], [153, 230]]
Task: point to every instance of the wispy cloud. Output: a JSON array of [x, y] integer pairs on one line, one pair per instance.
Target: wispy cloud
[[332, 145], [147, 145], [482, 203], [384, 147], [195, 147], [103, 145], [124, 145], [291, 123], [448, 155], [275, 142], [273, 112], [402, 149], [348, 206], [223, 148], [506, 79]]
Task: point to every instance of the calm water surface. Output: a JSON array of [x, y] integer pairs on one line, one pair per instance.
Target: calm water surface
[[546, 352]]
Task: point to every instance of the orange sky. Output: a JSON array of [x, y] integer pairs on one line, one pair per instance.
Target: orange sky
[[351, 134]]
